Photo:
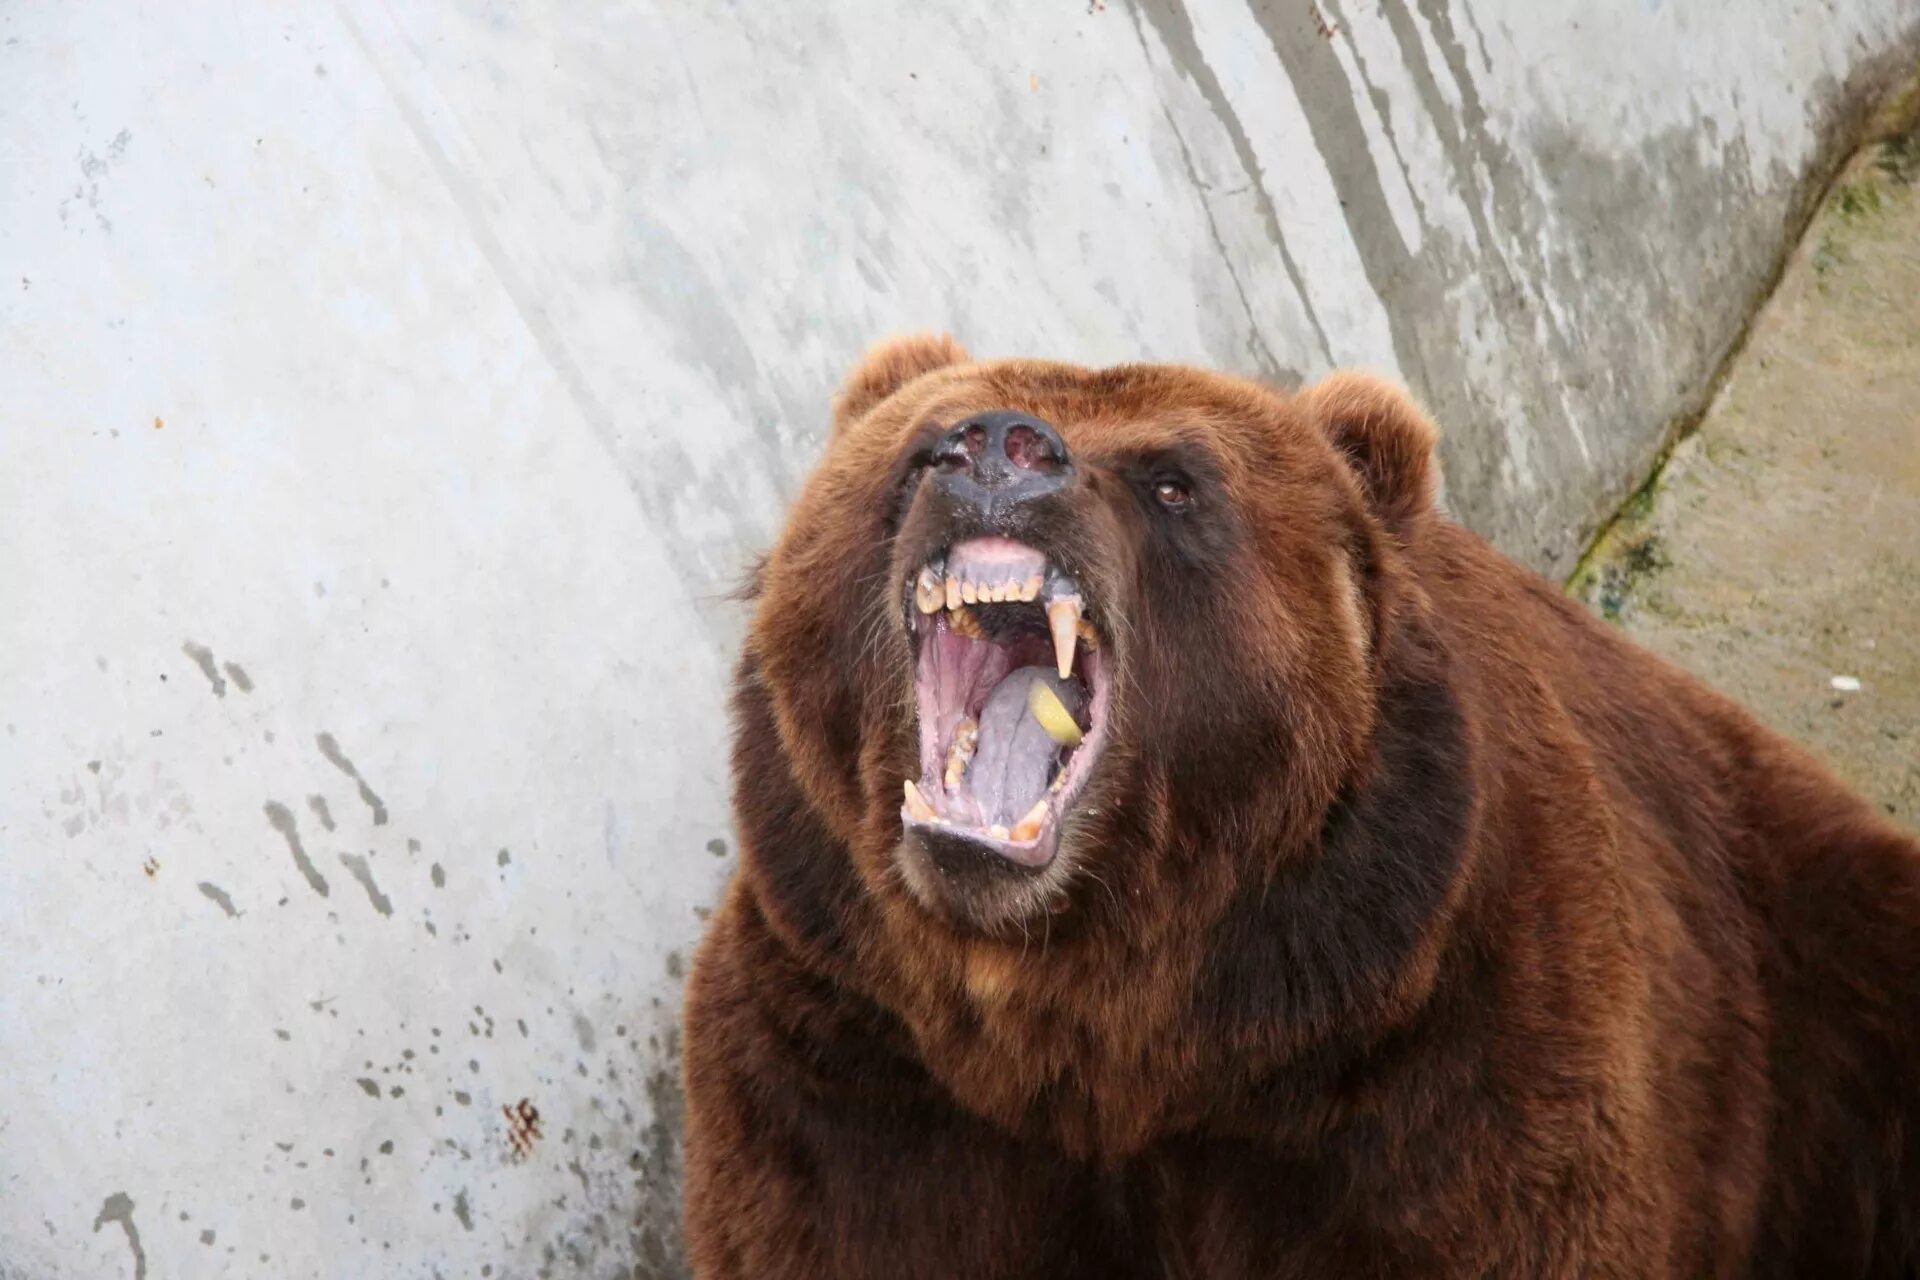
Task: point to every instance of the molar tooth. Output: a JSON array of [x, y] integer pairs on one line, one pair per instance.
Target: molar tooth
[[953, 592], [1088, 636], [1063, 619], [961, 619], [997, 831], [917, 805], [928, 593], [965, 738], [1029, 827]]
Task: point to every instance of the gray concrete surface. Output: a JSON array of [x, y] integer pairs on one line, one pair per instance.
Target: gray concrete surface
[[389, 395], [1777, 555]]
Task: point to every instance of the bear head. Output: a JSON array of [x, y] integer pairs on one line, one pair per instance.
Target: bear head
[[1037, 634]]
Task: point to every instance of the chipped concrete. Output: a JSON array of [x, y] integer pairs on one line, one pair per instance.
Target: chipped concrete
[[435, 371], [1777, 554]]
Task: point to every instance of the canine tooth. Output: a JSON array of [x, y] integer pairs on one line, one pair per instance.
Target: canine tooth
[[1063, 619], [1030, 588], [997, 831], [917, 805], [953, 592], [1029, 827], [965, 738], [969, 593], [928, 593]]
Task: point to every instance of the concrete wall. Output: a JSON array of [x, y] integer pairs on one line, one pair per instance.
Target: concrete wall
[[389, 394]]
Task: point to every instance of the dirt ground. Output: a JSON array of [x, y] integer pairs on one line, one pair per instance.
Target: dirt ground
[[1777, 554]]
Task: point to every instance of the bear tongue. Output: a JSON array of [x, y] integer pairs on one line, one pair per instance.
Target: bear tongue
[[1015, 755]]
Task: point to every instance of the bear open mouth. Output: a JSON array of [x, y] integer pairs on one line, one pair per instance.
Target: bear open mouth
[[1012, 691]]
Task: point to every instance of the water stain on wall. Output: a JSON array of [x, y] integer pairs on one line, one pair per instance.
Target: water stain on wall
[[118, 1207], [331, 750], [282, 819], [203, 658], [319, 806], [357, 866], [219, 897]]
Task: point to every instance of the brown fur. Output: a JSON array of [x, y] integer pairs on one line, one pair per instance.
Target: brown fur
[[1414, 924]]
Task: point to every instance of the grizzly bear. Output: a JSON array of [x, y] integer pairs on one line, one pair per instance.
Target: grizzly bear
[[1170, 847]]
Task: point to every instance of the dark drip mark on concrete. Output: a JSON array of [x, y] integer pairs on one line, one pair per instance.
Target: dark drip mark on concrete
[[219, 898], [282, 819], [1383, 107], [504, 858], [583, 1032], [319, 806], [718, 848], [206, 1237], [461, 1211], [357, 865], [1327, 101], [203, 658], [238, 674], [439, 877], [1175, 29], [118, 1207], [369, 1087], [331, 750]]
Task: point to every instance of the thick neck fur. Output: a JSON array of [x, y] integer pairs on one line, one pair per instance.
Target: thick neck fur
[[1107, 1026]]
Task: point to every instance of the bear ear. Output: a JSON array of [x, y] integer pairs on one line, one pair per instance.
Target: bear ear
[[888, 366], [1386, 439]]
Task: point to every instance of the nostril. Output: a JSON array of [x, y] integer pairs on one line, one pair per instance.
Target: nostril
[[1031, 450]]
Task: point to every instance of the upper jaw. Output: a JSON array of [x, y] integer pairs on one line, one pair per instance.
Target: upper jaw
[[1012, 693]]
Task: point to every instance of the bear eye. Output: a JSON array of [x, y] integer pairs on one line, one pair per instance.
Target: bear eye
[[1172, 493]]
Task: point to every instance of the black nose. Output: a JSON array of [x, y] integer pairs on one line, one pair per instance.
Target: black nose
[[1000, 458]]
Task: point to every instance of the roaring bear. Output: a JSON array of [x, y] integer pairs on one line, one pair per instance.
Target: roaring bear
[[1170, 847]]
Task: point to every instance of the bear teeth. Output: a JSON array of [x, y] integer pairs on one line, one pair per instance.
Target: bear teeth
[[966, 738], [933, 592], [1028, 828], [917, 804], [1063, 619]]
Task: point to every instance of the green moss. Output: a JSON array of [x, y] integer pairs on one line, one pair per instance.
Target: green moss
[[1857, 200]]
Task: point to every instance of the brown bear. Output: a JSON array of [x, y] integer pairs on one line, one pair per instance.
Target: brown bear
[[1170, 847]]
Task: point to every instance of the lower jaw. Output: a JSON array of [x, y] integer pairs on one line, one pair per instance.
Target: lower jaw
[[1032, 854]]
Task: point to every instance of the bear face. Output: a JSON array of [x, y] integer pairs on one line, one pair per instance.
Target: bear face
[[1181, 569]]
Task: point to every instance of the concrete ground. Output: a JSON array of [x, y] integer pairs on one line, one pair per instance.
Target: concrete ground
[[1777, 554]]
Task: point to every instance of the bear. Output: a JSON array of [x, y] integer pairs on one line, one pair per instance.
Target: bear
[[1170, 846]]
